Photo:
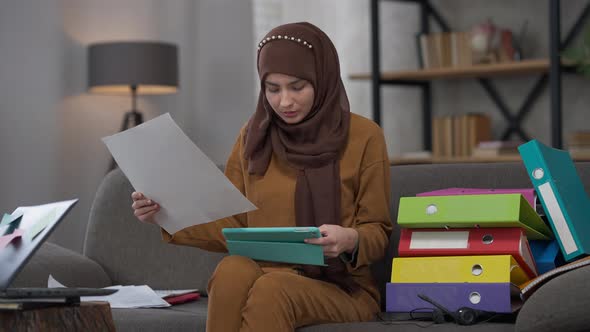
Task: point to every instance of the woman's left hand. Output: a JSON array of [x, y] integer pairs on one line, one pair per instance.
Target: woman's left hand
[[336, 240]]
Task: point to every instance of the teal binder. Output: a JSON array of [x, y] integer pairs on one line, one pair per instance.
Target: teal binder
[[275, 244], [562, 195]]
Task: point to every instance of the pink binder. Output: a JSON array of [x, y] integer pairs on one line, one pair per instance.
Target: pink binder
[[528, 193]]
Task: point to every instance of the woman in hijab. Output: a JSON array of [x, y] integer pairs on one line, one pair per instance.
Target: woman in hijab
[[304, 160]]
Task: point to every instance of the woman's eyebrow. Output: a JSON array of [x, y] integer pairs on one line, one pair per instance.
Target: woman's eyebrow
[[290, 83]]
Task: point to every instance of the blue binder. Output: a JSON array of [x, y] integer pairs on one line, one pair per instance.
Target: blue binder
[[562, 194], [547, 255], [275, 244]]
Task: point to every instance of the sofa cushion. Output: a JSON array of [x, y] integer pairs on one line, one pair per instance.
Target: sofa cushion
[[190, 316], [133, 253], [67, 266], [407, 326], [193, 317], [559, 305]]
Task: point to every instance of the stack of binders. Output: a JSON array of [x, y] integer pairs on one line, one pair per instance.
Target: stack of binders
[[465, 248]]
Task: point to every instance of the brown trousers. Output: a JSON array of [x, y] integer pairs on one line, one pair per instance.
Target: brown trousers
[[246, 297]]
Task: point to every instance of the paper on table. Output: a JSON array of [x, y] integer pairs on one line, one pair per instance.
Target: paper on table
[[130, 297], [126, 296], [163, 163]]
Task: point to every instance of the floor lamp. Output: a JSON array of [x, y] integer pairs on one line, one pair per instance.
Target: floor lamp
[[132, 67]]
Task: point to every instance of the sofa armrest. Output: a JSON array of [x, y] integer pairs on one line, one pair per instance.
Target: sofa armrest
[[559, 305], [66, 266]]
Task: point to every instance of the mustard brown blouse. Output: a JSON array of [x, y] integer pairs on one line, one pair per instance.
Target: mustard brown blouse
[[365, 196]]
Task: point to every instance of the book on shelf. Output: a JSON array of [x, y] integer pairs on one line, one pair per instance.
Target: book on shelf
[[416, 155], [578, 138], [578, 144], [454, 49], [506, 50], [579, 152], [486, 149], [444, 49], [499, 144], [458, 135], [442, 136], [461, 49]]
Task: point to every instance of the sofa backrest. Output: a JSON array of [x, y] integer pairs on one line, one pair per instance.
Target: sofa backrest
[[408, 180], [133, 253]]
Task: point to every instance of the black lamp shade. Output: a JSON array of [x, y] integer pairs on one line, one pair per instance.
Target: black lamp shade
[[114, 67]]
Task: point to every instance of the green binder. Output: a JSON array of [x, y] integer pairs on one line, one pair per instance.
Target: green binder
[[463, 211], [275, 244]]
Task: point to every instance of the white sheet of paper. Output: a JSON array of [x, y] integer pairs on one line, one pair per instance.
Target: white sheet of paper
[[126, 296], [52, 283], [163, 163], [130, 297]]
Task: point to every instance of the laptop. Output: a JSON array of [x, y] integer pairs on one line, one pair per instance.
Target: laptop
[[33, 224]]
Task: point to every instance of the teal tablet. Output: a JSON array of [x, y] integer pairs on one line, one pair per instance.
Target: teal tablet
[[275, 244], [271, 234]]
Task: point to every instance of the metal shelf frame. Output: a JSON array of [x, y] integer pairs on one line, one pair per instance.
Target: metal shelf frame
[[513, 119]]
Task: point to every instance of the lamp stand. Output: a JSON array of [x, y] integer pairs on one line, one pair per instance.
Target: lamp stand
[[134, 115]]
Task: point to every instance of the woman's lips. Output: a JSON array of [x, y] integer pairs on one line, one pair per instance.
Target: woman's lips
[[290, 114]]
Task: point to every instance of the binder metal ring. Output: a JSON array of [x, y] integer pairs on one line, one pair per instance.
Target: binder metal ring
[[476, 270]]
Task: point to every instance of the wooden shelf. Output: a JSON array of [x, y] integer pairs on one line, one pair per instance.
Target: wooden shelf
[[462, 160], [453, 160], [483, 70]]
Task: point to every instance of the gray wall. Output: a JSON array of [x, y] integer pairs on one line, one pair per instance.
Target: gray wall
[[51, 127]]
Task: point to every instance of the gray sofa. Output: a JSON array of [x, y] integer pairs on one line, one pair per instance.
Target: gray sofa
[[120, 250]]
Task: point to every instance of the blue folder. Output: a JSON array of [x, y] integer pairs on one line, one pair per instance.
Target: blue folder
[[562, 194], [275, 244], [547, 255]]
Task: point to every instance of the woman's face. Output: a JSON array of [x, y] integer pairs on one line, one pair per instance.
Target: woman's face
[[290, 97]]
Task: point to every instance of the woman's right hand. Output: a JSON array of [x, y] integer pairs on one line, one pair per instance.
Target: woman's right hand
[[144, 208]]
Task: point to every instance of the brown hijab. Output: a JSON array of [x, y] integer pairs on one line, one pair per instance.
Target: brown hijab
[[312, 146]]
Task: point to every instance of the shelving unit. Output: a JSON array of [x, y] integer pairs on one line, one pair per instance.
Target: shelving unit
[[549, 69], [537, 66]]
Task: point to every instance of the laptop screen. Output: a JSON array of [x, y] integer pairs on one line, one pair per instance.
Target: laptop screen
[[21, 236]]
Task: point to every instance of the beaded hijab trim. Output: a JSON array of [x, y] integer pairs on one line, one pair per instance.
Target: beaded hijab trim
[[285, 37]]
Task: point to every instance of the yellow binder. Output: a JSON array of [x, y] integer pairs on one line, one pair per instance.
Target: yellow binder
[[456, 269]]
